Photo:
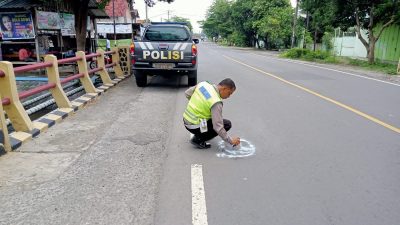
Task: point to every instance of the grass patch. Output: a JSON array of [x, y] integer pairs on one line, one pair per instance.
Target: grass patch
[[326, 57], [120, 42]]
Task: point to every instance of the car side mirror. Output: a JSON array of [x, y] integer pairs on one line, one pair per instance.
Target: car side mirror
[[196, 41]]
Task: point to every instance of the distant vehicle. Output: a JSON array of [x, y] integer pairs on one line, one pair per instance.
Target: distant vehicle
[[165, 49]]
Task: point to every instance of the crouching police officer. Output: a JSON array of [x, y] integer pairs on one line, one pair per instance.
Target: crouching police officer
[[203, 114]]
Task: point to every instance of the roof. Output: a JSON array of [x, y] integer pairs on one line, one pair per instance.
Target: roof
[[15, 4], [26, 4], [120, 8], [98, 13]]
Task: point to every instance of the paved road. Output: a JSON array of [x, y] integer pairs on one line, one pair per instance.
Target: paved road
[[327, 147], [327, 152]]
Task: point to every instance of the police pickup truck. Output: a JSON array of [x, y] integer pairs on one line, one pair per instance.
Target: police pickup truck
[[165, 49]]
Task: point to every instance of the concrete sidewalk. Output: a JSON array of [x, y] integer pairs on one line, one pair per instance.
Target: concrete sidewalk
[[100, 166]]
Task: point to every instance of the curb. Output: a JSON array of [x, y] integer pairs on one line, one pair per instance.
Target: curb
[[17, 139]]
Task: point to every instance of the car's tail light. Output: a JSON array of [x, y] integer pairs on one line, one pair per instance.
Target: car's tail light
[[194, 50], [132, 51]]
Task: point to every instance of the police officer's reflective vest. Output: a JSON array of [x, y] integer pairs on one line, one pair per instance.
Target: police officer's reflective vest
[[199, 106]]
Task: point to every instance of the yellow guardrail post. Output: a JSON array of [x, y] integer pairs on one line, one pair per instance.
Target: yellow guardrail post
[[117, 68], [58, 93], [4, 138], [125, 60], [103, 73], [8, 89], [398, 67], [82, 66]]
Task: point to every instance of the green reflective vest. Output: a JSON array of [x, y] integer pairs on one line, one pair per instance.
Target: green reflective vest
[[199, 106]]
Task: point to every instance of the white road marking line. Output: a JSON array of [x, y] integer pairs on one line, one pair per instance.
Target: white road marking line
[[199, 209], [320, 67]]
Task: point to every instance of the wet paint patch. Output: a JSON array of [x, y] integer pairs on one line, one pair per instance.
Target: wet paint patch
[[245, 149]]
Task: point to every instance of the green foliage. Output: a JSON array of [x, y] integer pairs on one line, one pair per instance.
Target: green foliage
[[273, 20], [241, 21], [377, 66], [182, 19], [327, 41], [103, 3], [218, 21], [306, 54], [237, 39], [325, 57], [367, 14], [101, 43], [308, 38], [321, 15], [242, 18], [383, 11]]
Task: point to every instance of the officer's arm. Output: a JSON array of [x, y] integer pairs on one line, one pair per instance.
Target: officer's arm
[[189, 92], [218, 122]]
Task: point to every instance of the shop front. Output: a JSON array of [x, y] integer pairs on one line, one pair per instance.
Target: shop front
[[28, 32]]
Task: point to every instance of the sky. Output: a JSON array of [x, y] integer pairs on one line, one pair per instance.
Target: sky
[[195, 10]]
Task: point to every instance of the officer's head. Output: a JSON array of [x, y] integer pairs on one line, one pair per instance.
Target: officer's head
[[226, 87]]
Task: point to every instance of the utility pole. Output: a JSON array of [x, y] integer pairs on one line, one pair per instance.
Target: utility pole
[[115, 35], [147, 18], [168, 15], [294, 23]]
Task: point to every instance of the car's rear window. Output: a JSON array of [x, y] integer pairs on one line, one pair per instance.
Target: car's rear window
[[165, 33]]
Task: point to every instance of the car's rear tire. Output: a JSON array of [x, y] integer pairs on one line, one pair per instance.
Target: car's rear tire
[[141, 79], [192, 78]]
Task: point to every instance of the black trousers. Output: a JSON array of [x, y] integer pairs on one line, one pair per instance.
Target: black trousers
[[210, 134]]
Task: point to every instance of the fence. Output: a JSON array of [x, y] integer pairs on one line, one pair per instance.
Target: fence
[[398, 67], [387, 48], [24, 127], [348, 44]]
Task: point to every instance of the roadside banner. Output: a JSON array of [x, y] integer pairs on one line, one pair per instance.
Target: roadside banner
[[108, 28], [16, 26], [67, 24], [48, 20]]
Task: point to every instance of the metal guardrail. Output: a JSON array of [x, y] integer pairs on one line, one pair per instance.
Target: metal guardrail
[[11, 98]]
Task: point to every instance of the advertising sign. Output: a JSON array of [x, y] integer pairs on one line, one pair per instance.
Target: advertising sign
[[16, 26], [48, 20], [67, 23], [108, 28]]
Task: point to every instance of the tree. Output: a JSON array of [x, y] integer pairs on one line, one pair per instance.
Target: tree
[[367, 14], [273, 21], [218, 20], [182, 19], [242, 19], [320, 15]]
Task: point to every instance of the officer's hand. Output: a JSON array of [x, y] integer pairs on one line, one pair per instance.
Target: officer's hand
[[236, 141]]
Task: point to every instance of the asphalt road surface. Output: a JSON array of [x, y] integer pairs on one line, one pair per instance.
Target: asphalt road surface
[[327, 151]]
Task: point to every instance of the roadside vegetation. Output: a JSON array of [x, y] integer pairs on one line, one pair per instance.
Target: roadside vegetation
[[276, 25], [326, 57]]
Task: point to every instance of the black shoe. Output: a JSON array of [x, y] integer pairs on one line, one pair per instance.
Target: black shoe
[[200, 144]]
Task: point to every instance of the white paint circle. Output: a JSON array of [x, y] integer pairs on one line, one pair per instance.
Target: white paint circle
[[245, 149]]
